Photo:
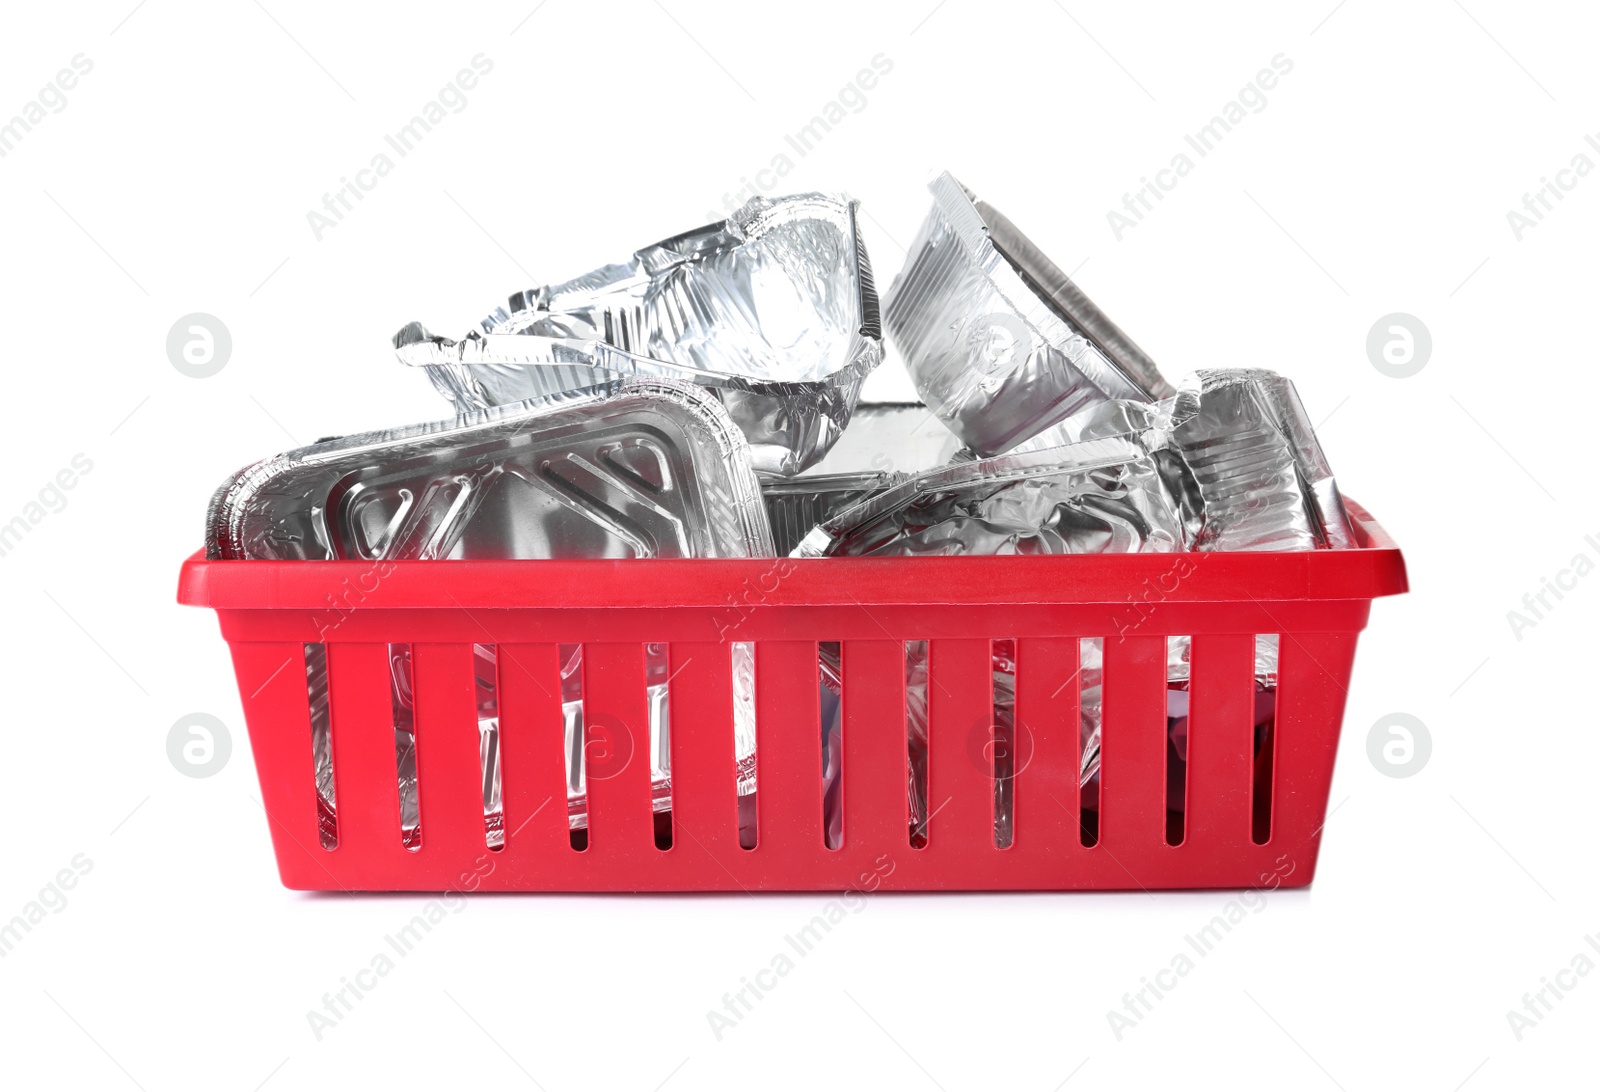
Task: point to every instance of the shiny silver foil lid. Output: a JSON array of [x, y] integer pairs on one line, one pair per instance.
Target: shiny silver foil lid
[[998, 341], [1069, 301], [775, 308], [1265, 481], [655, 470], [1100, 496]]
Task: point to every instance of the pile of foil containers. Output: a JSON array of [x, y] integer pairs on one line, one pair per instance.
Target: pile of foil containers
[[700, 400]]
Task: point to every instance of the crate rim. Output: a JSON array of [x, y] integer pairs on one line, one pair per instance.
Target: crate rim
[[1373, 569]]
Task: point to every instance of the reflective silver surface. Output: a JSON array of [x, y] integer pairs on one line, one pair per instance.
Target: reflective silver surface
[[796, 505], [904, 437], [657, 470], [1075, 308], [989, 351], [1238, 455], [775, 308], [1266, 483], [1099, 496]]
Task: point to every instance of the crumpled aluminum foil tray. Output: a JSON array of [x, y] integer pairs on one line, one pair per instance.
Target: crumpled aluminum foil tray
[[775, 308], [1265, 480], [1100, 496], [890, 437], [999, 342], [655, 470], [797, 505], [1238, 449]]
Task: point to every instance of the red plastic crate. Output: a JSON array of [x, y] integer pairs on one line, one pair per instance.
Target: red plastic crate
[[1317, 601]]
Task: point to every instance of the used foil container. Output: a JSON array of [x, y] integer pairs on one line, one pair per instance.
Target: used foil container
[[656, 469], [1265, 481], [1075, 308], [998, 341], [1100, 496], [1148, 423], [899, 437], [882, 443], [796, 505], [775, 309], [1238, 450]]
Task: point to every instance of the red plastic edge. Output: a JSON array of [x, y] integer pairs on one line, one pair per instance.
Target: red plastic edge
[[1376, 568]]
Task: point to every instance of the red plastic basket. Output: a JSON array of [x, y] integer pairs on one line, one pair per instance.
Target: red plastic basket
[[1318, 602]]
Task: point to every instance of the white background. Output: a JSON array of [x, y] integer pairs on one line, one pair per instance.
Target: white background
[[1377, 179]]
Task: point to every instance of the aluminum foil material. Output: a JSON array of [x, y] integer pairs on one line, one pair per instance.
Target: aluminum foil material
[[883, 443], [774, 308], [830, 704], [321, 744], [1316, 476], [1100, 496], [403, 710], [658, 703], [902, 437], [1238, 454], [990, 337], [1069, 302], [658, 700], [656, 470], [1178, 650], [1150, 425], [1265, 481], [796, 505]]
